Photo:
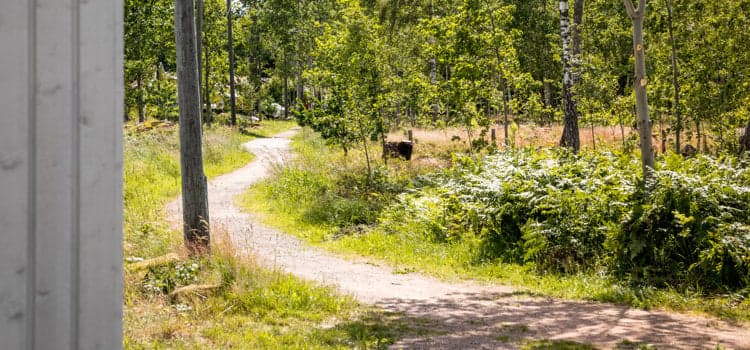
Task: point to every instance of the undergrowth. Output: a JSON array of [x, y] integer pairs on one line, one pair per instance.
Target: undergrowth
[[554, 223], [245, 306]]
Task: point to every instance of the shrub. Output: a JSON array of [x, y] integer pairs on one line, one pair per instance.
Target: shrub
[[567, 213], [692, 229], [550, 208]]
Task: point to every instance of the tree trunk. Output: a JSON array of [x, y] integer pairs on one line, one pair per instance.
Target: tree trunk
[[506, 117], [503, 83], [367, 151], [745, 139], [675, 84], [286, 96], [548, 100], [398, 114], [622, 132], [300, 86], [199, 43], [159, 69], [698, 132], [194, 190], [141, 107], [571, 135], [255, 35], [207, 85], [433, 74], [230, 49], [641, 81]]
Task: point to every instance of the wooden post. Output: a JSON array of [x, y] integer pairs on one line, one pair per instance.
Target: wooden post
[[61, 174], [411, 135]]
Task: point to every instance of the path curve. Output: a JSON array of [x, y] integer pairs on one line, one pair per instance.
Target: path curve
[[464, 315]]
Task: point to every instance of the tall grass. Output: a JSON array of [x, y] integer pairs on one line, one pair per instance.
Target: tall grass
[[152, 178], [247, 307]]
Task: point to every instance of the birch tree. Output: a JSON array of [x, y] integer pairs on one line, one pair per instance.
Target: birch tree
[[570, 137], [194, 189], [637, 15]]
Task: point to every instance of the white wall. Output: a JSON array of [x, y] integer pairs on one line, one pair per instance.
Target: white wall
[[61, 174]]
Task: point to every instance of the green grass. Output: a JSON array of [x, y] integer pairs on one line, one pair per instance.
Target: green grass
[[556, 345], [253, 308], [315, 199], [257, 309], [152, 177]]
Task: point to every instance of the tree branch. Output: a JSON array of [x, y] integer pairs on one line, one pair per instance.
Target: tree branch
[[630, 8]]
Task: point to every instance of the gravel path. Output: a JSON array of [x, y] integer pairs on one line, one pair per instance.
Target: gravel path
[[459, 315]]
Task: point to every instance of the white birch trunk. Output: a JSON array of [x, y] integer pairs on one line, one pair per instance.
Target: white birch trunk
[[570, 137]]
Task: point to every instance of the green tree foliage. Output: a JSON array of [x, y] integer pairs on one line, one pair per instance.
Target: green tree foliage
[[465, 63], [349, 62], [149, 46]]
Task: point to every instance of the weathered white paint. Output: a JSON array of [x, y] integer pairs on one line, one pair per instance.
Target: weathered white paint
[[61, 174]]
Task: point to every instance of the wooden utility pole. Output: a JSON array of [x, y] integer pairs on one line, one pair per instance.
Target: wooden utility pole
[[194, 189], [637, 15]]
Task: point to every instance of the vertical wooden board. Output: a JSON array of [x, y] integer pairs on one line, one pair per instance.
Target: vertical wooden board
[[100, 216], [60, 174], [15, 162], [56, 173]]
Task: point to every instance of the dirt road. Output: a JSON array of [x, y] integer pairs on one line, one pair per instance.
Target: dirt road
[[461, 315]]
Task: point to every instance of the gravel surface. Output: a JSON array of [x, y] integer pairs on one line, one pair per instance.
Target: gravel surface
[[462, 315]]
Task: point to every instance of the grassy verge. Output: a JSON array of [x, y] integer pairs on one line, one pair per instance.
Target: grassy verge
[[243, 306], [252, 308], [152, 177], [321, 200]]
